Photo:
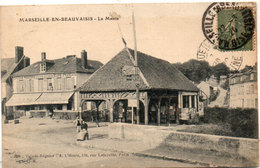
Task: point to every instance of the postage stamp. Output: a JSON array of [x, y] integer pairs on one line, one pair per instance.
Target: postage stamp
[[230, 26]]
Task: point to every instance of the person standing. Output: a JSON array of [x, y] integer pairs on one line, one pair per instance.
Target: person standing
[[78, 122]]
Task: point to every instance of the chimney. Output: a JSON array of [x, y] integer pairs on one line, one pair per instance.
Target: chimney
[[18, 54], [26, 62], [43, 56], [84, 59]]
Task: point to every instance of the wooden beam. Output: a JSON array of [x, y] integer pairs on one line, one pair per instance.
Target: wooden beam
[[110, 107], [146, 108], [168, 111], [159, 112]]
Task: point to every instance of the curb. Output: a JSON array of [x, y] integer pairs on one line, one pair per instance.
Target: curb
[[148, 155]]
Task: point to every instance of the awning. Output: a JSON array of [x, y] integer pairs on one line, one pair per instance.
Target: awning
[[54, 98], [22, 99], [39, 98]]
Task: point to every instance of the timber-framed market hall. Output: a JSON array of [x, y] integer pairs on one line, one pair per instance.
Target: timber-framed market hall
[[164, 91]]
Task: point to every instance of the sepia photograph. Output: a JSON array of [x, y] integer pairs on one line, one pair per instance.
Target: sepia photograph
[[129, 85]]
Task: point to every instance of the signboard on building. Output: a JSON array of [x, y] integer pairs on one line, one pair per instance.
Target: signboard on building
[[132, 103]]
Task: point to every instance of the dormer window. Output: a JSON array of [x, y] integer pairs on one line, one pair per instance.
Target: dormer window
[[43, 67]]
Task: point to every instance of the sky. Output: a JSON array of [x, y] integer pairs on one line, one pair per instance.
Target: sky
[[169, 31]]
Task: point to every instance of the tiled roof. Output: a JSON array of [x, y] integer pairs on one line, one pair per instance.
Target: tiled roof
[[12, 67], [69, 64], [6, 63], [155, 74]]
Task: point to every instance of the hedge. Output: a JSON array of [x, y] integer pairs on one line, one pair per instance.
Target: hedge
[[243, 122]]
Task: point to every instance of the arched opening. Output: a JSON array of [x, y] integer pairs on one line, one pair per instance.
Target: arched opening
[[93, 110], [123, 109], [152, 112], [167, 108]]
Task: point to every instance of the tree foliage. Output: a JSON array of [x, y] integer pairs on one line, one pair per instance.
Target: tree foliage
[[195, 70], [220, 69], [198, 71]]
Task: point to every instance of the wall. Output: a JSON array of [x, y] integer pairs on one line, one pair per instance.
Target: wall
[[242, 91], [81, 78], [3, 90], [156, 136], [44, 77]]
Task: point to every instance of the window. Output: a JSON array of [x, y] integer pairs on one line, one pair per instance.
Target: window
[[43, 67], [248, 90], [59, 107], [21, 86], [129, 77], [241, 90], [41, 107], [63, 80], [192, 101], [69, 83], [49, 84], [58, 83], [256, 103], [252, 76], [252, 89], [29, 85], [40, 84], [186, 102], [45, 84]]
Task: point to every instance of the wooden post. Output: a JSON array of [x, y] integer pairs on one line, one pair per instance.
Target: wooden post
[[110, 106], [168, 111], [179, 108], [159, 112], [137, 105], [146, 108], [132, 115], [190, 103], [196, 102]]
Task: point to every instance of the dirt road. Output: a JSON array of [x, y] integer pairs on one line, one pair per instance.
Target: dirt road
[[39, 143]]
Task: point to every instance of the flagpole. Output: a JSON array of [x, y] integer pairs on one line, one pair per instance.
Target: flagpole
[[136, 73]]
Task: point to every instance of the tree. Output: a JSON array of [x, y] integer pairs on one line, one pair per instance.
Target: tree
[[220, 69], [195, 70], [246, 69]]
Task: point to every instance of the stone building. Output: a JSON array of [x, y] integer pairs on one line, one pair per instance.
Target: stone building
[[243, 90], [49, 85], [163, 90], [8, 67]]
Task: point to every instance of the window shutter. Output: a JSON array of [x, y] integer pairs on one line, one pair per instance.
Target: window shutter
[[71, 83], [44, 84], [62, 83], [55, 84], [32, 85]]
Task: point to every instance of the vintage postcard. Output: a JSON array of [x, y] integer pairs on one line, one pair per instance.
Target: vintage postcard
[[129, 85]]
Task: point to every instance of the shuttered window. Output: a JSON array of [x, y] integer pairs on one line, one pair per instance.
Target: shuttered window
[[40, 84], [29, 85], [45, 84], [69, 83], [49, 84]]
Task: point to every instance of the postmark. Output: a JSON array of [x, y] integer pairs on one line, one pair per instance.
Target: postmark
[[230, 26], [207, 52]]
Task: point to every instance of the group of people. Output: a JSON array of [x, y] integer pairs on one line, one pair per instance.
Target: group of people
[[82, 129]]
